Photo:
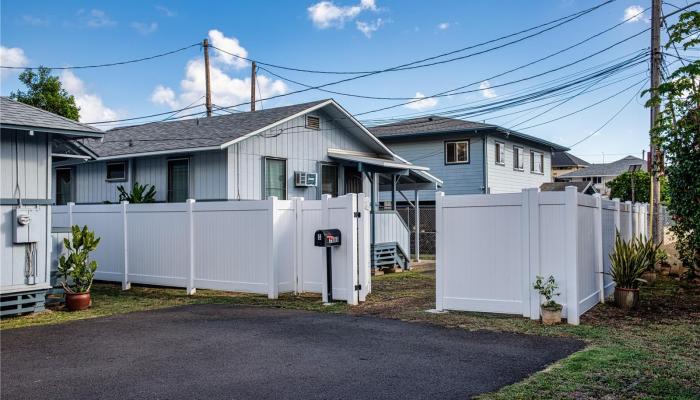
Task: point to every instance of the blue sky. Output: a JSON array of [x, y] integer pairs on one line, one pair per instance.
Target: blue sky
[[339, 35]]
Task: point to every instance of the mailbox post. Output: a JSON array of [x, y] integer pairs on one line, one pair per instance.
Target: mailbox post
[[328, 238]]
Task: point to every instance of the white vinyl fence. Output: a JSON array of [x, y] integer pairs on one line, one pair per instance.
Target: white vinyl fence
[[490, 249], [264, 246]]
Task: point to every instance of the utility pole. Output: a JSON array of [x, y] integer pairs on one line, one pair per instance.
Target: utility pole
[[253, 78], [205, 45], [655, 156]]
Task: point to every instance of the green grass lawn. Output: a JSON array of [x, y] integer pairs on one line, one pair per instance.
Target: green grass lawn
[[653, 352]]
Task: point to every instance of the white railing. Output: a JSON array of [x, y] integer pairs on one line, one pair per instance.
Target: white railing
[[491, 248], [390, 227], [263, 246]]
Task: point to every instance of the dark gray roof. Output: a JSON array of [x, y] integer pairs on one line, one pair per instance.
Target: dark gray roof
[[614, 168], [432, 125], [190, 133], [564, 159], [16, 114], [581, 187]]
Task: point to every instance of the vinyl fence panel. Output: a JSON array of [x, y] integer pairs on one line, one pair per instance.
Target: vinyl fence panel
[[491, 248]]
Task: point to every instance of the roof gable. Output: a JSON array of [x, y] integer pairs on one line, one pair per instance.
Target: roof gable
[[614, 168], [565, 159], [14, 114]]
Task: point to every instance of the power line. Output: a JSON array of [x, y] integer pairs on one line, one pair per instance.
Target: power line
[[613, 117], [109, 64], [411, 65]]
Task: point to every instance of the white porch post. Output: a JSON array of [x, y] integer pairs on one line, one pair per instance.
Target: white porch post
[[417, 225]]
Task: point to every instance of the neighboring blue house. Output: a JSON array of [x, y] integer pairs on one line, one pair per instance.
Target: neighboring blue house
[[470, 157]]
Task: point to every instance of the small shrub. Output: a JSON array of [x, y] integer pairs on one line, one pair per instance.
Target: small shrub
[[628, 262], [547, 289], [77, 270]]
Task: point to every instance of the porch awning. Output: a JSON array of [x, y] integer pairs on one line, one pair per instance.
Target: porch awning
[[411, 177]]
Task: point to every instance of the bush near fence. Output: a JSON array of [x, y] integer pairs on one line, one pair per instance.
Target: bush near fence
[[263, 246], [491, 248]]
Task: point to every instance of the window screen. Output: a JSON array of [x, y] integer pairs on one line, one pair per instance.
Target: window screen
[[116, 171], [457, 152], [276, 178], [500, 153], [536, 162], [518, 158], [329, 180], [178, 180]]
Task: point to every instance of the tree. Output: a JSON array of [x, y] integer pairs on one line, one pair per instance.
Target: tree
[[44, 91], [621, 187], [677, 133]]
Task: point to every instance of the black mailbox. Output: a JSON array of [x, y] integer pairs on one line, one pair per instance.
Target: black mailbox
[[327, 238]]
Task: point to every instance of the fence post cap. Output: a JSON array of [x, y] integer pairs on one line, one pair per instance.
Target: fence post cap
[[191, 200], [70, 203], [124, 202]]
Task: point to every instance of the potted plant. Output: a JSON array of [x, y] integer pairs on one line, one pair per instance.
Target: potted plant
[[627, 266], [550, 309], [77, 270]]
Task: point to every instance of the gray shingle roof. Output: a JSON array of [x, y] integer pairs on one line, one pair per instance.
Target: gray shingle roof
[[564, 159], [190, 133], [432, 125], [614, 168], [581, 187], [13, 113]]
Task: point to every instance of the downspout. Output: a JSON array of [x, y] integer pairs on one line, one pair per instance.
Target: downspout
[[485, 165]]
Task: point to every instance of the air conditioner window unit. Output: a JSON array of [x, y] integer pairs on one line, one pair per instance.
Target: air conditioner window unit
[[305, 179]]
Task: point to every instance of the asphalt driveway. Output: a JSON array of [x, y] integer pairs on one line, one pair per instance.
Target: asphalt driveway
[[220, 351]]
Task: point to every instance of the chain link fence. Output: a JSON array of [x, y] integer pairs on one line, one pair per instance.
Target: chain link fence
[[426, 229]]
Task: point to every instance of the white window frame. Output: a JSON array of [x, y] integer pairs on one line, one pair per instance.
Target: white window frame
[[499, 149], [448, 142], [126, 171], [539, 154], [264, 182], [519, 159]]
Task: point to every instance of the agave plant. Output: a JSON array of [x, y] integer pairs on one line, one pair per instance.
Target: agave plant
[[139, 193], [628, 263], [648, 252]]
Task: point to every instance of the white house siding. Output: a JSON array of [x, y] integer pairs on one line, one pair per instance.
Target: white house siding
[[430, 152], [207, 177], [32, 158], [504, 178], [304, 149]]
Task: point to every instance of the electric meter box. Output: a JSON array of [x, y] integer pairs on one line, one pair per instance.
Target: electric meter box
[[28, 224], [327, 238]]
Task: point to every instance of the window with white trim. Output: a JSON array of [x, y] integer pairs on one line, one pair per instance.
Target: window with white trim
[[536, 162], [518, 158], [457, 152], [275, 178], [116, 171], [500, 148]]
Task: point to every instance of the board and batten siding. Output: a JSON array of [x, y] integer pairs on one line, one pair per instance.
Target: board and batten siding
[[304, 150], [207, 177], [506, 179], [430, 152], [26, 157]]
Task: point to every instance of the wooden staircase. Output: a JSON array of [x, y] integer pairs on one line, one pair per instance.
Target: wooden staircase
[[389, 255]]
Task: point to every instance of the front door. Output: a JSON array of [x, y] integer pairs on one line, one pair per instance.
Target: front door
[[353, 180]]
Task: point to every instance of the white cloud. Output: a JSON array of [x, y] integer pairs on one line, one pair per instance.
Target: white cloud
[[12, 57], [165, 11], [95, 18], [91, 107], [422, 105], [145, 28], [368, 28], [35, 21], [326, 14], [486, 90], [443, 26], [634, 13], [230, 45], [226, 90]]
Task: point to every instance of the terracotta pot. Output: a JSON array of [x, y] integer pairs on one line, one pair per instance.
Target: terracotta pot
[[627, 299], [77, 301], [550, 317]]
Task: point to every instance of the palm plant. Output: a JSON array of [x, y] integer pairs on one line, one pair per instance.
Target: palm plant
[[139, 193]]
